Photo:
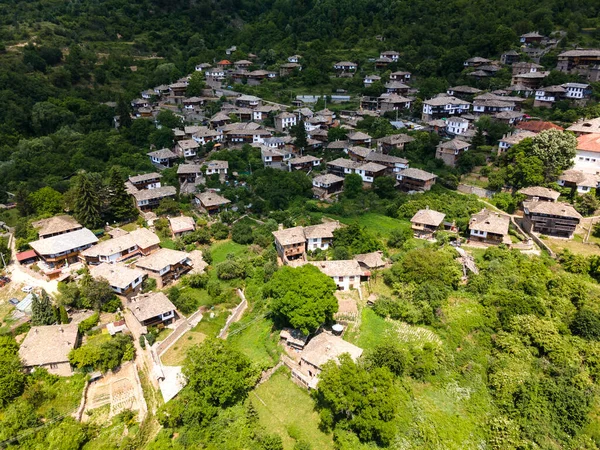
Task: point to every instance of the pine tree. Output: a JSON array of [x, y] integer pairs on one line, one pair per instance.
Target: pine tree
[[478, 139], [23, 204], [120, 203], [124, 113], [42, 312], [87, 203], [301, 141], [64, 317]]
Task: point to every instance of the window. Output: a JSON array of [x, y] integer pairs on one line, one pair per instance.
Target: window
[[341, 279]]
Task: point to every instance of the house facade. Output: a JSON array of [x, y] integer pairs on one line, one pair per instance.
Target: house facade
[[550, 218]]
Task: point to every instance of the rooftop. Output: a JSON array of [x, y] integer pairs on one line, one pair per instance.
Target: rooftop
[[117, 275], [326, 347], [589, 142], [150, 194], [56, 225], [328, 178], [417, 174], [372, 260], [48, 344], [428, 217], [290, 236], [161, 258], [539, 191], [489, 221], [586, 126], [185, 169], [339, 268], [181, 224], [64, 242], [579, 178], [163, 153], [455, 144], [537, 125], [147, 306], [551, 209], [141, 237], [209, 198]]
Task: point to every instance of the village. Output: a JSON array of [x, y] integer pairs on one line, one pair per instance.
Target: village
[[191, 263]]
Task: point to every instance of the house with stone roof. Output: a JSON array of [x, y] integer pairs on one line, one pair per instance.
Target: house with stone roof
[[123, 280], [181, 225], [65, 248], [346, 274], [139, 242], [586, 126], [539, 194], [146, 180], [451, 151], [211, 202], [293, 243], [581, 182], [551, 218], [164, 157], [412, 179], [48, 347], [394, 141], [426, 222], [371, 261], [55, 226], [165, 265], [149, 199], [444, 106], [359, 138], [285, 121], [489, 227], [152, 309], [327, 184]]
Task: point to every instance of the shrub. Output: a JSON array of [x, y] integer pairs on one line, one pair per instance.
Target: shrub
[[89, 323]]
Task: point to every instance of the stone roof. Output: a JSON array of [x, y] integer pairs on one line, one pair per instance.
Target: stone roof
[[339, 268], [181, 224], [163, 153], [393, 98], [479, 73], [304, 159], [290, 236], [551, 209], [343, 162], [508, 115], [150, 194], [64, 242], [147, 306], [220, 117], [117, 275], [216, 164], [327, 178], [185, 169], [539, 191], [322, 230], [428, 217], [48, 344], [144, 177], [360, 151], [56, 224], [141, 237], [326, 347], [161, 258], [396, 85], [383, 158], [465, 90], [579, 178], [345, 63], [586, 126], [417, 174], [372, 260], [371, 167], [187, 144], [517, 136], [358, 136], [589, 142], [442, 100], [580, 52], [209, 198], [338, 145], [489, 221], [556, 88], [454, 144], [396, 139]]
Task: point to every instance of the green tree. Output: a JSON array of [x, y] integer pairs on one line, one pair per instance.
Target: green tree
[[241, 232], [384, 187], [556, 150], [42, 312], [12, 378], [95, 293], [366, 402], [87, 203], [218, 374], [299, 132], [168, 119], [68, 435], [120, 204], [353, 185], [124, 113], [302, 297], [196, 85], [46, 201]]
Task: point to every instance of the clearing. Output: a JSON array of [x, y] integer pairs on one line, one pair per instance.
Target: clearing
[[175, 355], [287, 409], [220, 250], [378, 224]]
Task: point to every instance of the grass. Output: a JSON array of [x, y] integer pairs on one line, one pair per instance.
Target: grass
[[129, 227], [168, 243], [220, 250], [9, 216], [176, 354], [200, 295], [254, 338], [557, 245], [285, 408], [60, 395], [372, 330], [378, 224], [211, 326]]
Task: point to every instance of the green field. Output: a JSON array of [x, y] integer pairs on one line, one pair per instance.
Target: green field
[[220, 250], [256, 339], [372, 330], [60, 394], [378, 224], [176, 354], [287, 409]]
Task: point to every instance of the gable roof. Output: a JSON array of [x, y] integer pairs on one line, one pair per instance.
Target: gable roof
[[454, 144], [141, 237], [64, 242], [209, 198], [186, 169], [539, 191], [161, 258], [117, 275], [579, 178], [326, 347], [537, 125], [180, 224], [372, 260], [339, 268], [586, 126], [589, 142], [490, 222], [327, 178], [150, 194], [290, 236], [49, 344], [147, 306], [417, 174], [163, 153], [56, 224], [428, 217], [552, 209]]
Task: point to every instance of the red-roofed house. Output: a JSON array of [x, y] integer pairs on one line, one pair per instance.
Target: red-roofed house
[[587, 158], [537, 125], [27, 257], [223, 64]]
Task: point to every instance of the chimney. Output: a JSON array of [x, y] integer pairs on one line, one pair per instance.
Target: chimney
[[427, 207], [280, 227]]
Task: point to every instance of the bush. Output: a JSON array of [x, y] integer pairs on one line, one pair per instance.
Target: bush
[[230, 269], [219, 231], [586, 324], [89, 323], [242, 233]]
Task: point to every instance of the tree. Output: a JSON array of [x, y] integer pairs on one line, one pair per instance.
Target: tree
[[23, 201], [96, 293], [196, 85], [168, 119], [68, 435], [87, 203], [12, 378], [46, 201], [586, 324], [556, 150], [241, 232], [300, 134], [120, 204], [219, 231], [353, 185], [365, 401], [168, 207], [302, 297], [218, 374], [355, 239], [389, 354], [124, 113], [384, 187], [42, 312]]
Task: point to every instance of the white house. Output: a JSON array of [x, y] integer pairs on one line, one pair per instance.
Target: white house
[[576, 90], [370, 79], [457, 125], [587, 158], [345, 273]]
